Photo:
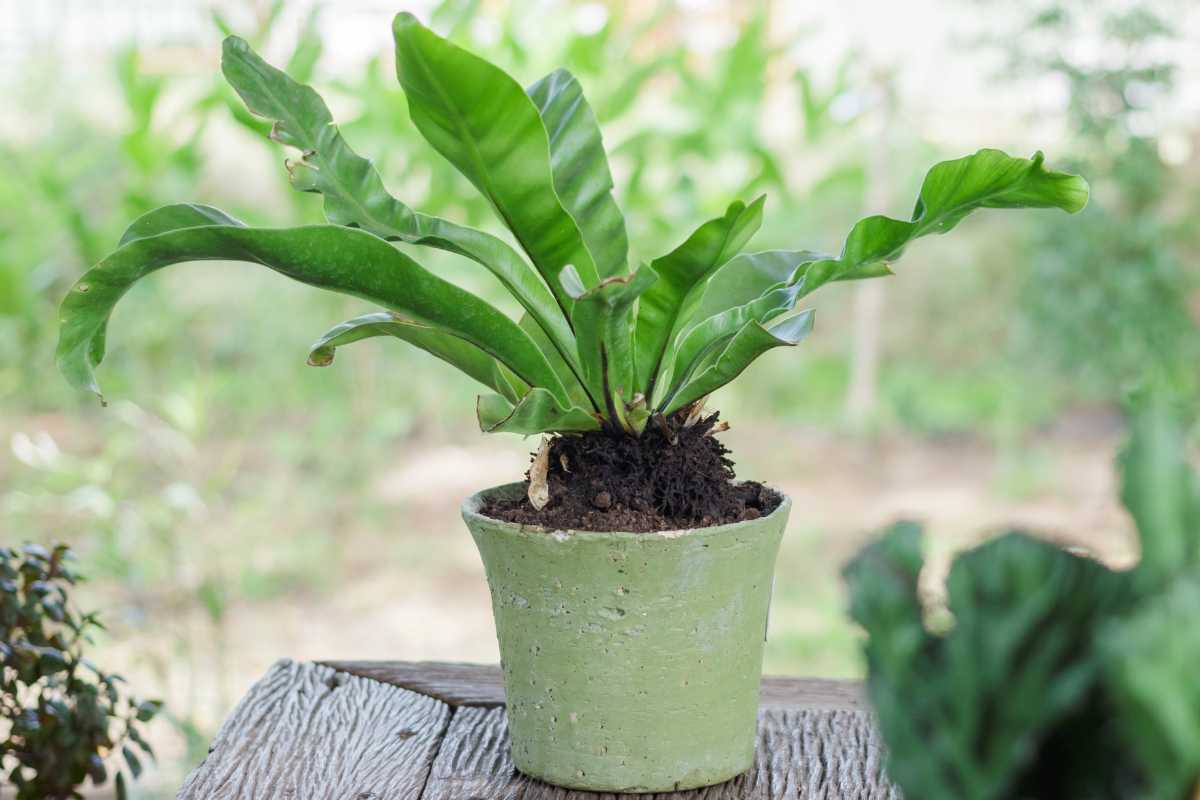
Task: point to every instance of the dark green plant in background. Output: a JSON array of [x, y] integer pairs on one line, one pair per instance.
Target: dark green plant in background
[[601, 344], [1051, 676], [60, 715]]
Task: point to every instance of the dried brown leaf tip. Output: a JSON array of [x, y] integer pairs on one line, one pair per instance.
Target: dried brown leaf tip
[[539, 487]]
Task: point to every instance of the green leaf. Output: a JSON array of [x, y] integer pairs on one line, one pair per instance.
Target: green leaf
[[580, 169], [569, 376], [147, 709], [745, 278], [482, 121], [452, 349], [354, 192], [680, 273], [134, 763], [96, 769], [1162, 493], [140, 740], [700, 339], [174, 217], [329, 257], [603, 319], [121, 789], [883, 580], [52, 660], [750, 342], [951, 191], [1151, 661], [972, 712], [537, 412]]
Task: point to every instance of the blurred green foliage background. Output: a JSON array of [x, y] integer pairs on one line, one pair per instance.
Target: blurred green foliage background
[[233, 506]]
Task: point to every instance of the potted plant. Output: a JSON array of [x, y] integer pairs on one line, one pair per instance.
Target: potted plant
[[630, 574]]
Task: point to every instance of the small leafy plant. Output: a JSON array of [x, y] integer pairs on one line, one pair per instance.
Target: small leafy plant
[[1055, 677], [601, 345], [60, 715]]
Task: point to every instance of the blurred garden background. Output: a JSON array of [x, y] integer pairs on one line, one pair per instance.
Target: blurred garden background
[[233, 506]]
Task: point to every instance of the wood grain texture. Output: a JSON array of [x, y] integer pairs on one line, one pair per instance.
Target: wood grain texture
[[802, 755], [371, 731], [308, 732], [483, 685]]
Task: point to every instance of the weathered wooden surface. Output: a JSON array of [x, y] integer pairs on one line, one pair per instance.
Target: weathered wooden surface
[[483, 685], [308, 731], [454, 684], [435, 731], [831, 755]]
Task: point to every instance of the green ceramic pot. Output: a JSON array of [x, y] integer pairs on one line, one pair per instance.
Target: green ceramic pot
[[631, 661]]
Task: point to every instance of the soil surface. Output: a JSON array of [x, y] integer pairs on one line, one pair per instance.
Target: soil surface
[[673, 476]]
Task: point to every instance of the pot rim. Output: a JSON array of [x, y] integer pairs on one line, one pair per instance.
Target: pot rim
[[472, 516]]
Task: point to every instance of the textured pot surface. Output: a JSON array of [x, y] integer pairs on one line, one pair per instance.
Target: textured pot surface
[[631, 660]]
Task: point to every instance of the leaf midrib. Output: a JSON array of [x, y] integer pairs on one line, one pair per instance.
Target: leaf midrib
[[481, 169], [480, 164]]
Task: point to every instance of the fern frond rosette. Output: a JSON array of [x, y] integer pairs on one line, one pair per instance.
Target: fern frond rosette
[[602, 343]]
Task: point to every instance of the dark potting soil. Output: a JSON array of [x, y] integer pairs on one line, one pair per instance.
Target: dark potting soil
[[673, 476]]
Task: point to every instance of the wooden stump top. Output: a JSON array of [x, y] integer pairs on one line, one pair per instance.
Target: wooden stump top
[[390, 730]]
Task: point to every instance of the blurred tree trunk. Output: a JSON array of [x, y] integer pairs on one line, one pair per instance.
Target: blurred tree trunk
[[863, 391]]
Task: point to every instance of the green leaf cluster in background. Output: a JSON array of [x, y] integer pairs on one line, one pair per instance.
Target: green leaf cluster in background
[[606, 341], [65, 721], [1054, 676]]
